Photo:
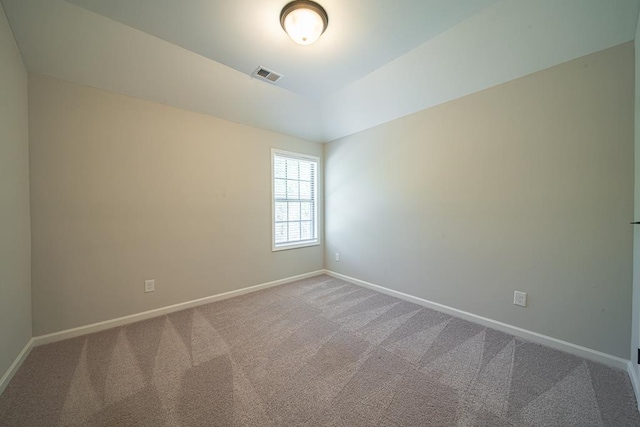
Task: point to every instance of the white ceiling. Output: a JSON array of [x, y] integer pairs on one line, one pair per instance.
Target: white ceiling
[[378, 59], [362, 35]]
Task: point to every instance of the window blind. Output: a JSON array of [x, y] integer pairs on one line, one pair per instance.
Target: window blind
[[294, 200]]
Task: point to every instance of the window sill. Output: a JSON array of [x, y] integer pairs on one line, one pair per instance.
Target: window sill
[[294, 246]]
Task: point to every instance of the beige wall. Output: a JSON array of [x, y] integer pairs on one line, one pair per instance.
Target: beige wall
[[125, 190], [525, 186], [15, 240]]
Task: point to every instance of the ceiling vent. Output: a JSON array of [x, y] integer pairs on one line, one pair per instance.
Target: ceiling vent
[[262, 73]]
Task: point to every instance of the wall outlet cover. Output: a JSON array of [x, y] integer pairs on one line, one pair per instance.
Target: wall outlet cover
[[520, 298], [149, 285]]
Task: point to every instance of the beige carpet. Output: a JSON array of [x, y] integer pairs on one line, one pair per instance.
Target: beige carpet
[[319, 352]]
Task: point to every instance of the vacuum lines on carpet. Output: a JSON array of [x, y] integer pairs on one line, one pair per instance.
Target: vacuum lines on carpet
[[317, 352]]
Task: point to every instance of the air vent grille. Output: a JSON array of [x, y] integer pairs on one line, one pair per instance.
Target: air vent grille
[[267, 75]]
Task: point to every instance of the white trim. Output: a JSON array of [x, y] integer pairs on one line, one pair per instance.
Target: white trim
[[577, 350], [4, 381], [294, 245], [108, 324], [633, 376], [288, 246]]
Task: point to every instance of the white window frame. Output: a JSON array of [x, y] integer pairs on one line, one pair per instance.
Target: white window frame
[[306, 243]]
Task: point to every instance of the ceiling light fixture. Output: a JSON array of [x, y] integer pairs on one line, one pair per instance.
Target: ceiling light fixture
[[304, 21]]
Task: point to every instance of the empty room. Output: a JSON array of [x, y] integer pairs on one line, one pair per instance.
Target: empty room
[[319, 213]]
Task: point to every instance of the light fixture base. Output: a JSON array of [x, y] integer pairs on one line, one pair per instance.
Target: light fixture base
[[304, 21]]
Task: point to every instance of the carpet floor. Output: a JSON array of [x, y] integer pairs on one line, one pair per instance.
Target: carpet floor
[[317, 352]]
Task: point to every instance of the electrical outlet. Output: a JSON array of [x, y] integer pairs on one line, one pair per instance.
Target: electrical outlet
[[337, 257], [520, 298], [149, 285]]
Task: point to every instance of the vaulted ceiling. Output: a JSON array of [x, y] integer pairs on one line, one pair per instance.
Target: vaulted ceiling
[[377, 61]]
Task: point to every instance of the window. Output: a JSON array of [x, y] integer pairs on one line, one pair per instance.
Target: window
[[294, 200]]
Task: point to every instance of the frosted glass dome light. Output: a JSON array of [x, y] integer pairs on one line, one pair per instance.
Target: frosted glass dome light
[[304, 21]]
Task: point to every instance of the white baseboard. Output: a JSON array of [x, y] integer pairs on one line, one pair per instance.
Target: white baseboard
[[4, 381], [577, 350], [633, 376], [120, 321]]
